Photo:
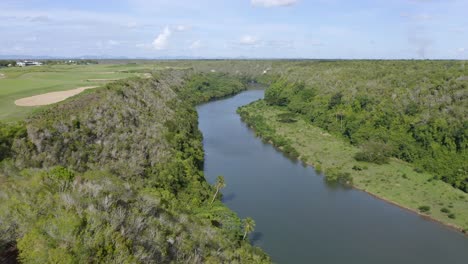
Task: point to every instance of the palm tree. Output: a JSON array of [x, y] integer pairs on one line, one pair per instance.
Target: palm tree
[[220, 184], [249, 226]]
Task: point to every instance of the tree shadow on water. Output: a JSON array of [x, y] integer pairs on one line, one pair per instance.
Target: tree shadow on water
[[256, 237], [228, 197]]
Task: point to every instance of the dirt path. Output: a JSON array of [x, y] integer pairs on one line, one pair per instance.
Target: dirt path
[[50, 98]]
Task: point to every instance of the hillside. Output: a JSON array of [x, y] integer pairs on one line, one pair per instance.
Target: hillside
[[115, 175]]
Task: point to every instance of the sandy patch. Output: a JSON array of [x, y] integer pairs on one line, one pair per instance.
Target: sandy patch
[[50, 98], [2, 75]]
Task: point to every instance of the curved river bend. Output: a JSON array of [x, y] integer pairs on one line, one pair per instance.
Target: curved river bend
[[300, 219]]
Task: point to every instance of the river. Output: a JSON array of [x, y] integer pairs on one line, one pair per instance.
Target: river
[[301, 219]]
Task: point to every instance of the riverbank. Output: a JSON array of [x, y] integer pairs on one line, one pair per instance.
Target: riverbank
[[396, 182]]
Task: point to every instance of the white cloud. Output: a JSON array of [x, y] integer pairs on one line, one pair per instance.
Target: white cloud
[[162, 40], [248, 40], [195, 45], [182, 27], [113, 42], [273, 3], [461, 50]]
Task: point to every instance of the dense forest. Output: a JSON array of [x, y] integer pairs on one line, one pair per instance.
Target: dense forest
[[412, 110], [115, 175]]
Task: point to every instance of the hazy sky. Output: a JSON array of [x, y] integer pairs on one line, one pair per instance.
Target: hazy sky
[[387, 29]]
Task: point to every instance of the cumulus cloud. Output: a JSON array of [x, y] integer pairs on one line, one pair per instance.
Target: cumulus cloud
[[273, 3], [162, 40], [248, 40]]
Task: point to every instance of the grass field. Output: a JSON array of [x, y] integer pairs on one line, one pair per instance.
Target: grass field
[[18, 83], [396, 181]]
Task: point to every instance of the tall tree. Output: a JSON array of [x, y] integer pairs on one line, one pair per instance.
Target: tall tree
[[249, 226], [220, 184]]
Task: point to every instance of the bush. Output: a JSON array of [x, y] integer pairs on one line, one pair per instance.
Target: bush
[[8, 133], [452, 216], [374, 152], [318, 168], [333, 176], [359, 168], [424, 208], [445, 210], [286, 118]]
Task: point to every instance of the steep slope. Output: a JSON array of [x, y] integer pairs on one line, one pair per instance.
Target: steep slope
[[115, 175]]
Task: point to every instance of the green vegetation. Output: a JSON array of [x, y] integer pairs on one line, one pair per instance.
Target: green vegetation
[[114, 175], [249, 227], [7, 63], [18, 83], [220, 184], [394, 181], [424, 208], [411, 110]]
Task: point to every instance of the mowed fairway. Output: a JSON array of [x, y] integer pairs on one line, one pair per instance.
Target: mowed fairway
[[18, 83]]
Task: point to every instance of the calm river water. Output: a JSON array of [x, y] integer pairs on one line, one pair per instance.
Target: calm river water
[[299, 218]]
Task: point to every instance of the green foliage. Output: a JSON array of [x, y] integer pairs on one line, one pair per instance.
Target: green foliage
[[7, 63], [445, 210], [424, 208], [209, 86], [413, 110], [249, 226], [337, 176], [115, 176], [374, 152], [8, 133], [287, 118], [268, 134], [359, 168]]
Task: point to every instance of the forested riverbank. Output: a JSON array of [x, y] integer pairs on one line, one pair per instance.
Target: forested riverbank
[[397, 129], [116, 175]]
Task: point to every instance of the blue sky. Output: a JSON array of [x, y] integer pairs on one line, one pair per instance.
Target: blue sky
[[378, 29]]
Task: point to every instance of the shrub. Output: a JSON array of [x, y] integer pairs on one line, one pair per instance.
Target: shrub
[[286, 118], [333, 176], [452, 216], [358, 168], [375, 152], [318, 168], [445, 210], [424, 208]]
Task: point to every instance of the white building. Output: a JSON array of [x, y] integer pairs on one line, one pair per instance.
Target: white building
[[28, 63]]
